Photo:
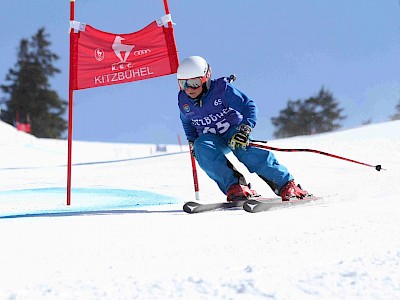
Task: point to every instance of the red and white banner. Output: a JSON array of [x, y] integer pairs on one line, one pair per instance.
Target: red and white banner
[[100, 58]]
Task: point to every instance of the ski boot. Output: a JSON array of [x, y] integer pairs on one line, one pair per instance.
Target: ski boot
[[291, 190], [240, 192]]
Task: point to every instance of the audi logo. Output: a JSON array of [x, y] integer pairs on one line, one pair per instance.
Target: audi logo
[[141, 52]]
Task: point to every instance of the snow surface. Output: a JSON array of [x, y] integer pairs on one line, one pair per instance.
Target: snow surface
[[125, 236]]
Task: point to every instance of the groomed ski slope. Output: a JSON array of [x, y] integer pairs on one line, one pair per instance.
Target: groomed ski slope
[[109, 245]]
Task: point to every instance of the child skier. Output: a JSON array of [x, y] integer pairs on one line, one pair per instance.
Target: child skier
[[217, 118]]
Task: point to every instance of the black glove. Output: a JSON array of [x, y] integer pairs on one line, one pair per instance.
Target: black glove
[[241, 138], [191, 148]]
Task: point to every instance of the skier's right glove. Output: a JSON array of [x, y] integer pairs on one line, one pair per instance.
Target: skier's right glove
[[241, 138], [191, 148]]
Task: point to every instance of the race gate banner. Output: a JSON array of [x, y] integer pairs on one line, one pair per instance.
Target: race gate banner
[[100, 58]]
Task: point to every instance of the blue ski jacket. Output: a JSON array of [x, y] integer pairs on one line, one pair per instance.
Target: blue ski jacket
[[222, 108]]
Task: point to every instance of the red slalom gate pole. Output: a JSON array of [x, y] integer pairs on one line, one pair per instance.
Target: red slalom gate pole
[[252, 143], [179, 142], [70, 108], [167, 11]]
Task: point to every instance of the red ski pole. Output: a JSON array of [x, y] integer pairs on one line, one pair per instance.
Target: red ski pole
[[194, 170], [252, 143]]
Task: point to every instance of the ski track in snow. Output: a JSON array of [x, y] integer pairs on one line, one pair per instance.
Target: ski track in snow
[[109, 245]]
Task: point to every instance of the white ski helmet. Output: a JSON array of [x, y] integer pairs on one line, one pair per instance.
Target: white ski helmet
[[192, 67]]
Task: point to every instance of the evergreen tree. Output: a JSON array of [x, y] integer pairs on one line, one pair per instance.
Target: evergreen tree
[[314, 115], [29, 89], [396, 116]]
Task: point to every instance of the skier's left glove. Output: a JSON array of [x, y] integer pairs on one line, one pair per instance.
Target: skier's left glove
[[241, 138]]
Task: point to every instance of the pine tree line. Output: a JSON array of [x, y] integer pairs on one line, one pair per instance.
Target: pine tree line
[[29, 92], [30, 96], [317, 114]]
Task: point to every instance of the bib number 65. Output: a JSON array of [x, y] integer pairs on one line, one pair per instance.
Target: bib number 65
[[221, 127]]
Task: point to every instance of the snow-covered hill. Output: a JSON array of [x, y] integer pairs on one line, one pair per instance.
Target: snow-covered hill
[[125, 236]]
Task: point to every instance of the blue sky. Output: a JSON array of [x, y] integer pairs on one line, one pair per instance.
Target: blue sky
[[279, 50]]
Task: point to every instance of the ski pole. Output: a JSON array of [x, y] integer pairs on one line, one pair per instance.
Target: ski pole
[[377, 167], [194, 171]]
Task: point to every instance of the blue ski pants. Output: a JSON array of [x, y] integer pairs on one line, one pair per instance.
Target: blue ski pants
[[210, 150]]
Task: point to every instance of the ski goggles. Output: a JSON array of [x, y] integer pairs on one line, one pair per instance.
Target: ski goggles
[[193, 83]]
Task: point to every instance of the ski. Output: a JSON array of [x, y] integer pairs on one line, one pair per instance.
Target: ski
[[252, 205], [258, 205], [195, 207]]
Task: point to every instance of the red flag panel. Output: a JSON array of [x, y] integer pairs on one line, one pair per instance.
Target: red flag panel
[[100, 58]]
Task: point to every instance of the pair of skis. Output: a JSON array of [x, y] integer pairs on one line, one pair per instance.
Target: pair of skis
[[253, 205]]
